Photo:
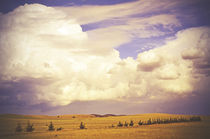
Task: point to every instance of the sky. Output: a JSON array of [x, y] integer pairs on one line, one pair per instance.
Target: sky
[[90, 56]]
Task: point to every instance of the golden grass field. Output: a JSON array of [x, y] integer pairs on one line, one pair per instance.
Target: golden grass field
[[100, 127]]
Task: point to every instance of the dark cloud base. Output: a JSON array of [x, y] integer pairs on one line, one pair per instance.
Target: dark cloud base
[[192, 105]]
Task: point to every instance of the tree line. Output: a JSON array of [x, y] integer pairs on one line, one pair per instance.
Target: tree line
[[159, 121], [30, 127]]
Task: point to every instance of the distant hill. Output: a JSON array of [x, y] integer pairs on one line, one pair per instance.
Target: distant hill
[[106, 115]]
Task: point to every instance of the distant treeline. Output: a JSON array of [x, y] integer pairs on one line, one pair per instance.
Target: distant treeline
[[29, 127], [160, 121]]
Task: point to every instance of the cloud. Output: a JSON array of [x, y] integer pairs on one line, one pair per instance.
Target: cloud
[[199, 54], [174, 67], [133, 18], [37, 45], [148, 61], [191, 54], [87, 14], [168, 72], [46, 57]]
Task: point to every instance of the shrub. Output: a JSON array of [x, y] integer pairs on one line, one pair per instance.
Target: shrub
[[60, 128], [158, 121], [131, 123], [195, 118], [154, 121], [149, 122], [82, 126], [120, 124], [51, 127], [29, 127], [19, 128], [140, 123], [126, 124]]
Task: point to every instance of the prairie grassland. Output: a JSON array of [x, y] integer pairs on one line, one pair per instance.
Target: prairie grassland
[[100, 127]]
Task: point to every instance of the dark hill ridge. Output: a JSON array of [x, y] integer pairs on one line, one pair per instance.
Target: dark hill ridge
[[106, 115], [19, 116]]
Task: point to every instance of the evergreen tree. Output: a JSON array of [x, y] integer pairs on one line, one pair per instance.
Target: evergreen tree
[[120, 124], [82, 126], [140, 123], [19, 128], [149, 122], [51, 127], [29, 127], [195, 118], [126, 124], [131, 123]]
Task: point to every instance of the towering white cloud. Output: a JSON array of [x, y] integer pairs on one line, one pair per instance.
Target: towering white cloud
[[44, 50]]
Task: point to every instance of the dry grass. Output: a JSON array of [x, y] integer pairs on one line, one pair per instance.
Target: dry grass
[[100, 127]]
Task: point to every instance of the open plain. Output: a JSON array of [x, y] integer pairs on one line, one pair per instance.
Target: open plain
[[103, 127]]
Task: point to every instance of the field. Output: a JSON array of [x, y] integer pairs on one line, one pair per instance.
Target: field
[[101, 127]]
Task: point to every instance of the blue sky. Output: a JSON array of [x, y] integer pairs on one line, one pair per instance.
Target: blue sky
[[85, 56], [8, 5], [199, 10]]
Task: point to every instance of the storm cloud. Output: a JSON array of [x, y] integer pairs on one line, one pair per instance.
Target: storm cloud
[[47, 59]]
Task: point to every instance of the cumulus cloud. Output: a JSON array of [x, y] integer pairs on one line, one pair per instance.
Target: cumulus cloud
[[168, 72], [148, 61], [177, 73], [35, 44], [192, 54], [46, 57]]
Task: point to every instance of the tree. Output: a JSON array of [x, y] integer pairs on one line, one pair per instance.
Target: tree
[[126, 124], [19, 128], [140, 123], [149, 122], [195, 118], [29, 127], [51, 127], [60, 128], [120, 124], [131, 123], [82, 126]]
